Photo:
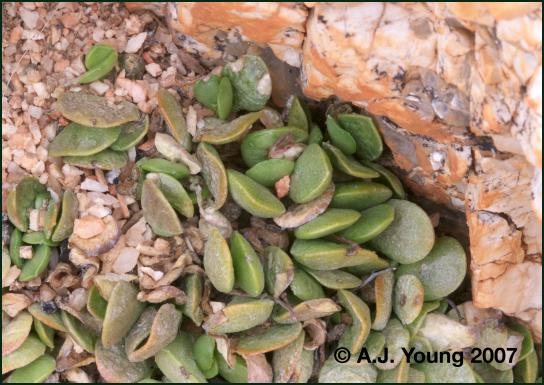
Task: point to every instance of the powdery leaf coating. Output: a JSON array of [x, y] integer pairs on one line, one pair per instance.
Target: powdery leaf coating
[[131, 134], [230, 131], [95, 111], [349, 372], [52, 320], [174, 192], [396, 338], [193, 297], [251, 82], [152, 332], [168, 147], [279, 270], [158, 212], [442, 271], [446, 372], [122, 312], [37, 265], [176, 361], [398, 375], [410, 237], [218, 262], [78, 332], [113, 364], [286, 360]]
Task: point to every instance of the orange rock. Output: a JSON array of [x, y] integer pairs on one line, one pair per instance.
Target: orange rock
[[70, 20]]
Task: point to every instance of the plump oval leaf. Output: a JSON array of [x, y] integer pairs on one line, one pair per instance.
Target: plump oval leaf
[[131, 134], [330, 222], [158, 212], [37, 265], [311, 176], [410, 237], [114, 366], [359, 195], [371, 223], [34, 373], [239, 316], [104, 160], [253, 197], [248, 269], [275, 337], [365, 133], [121, 313], [442, 271], [78, 140], [218, 261], [270, 171], [325, 255]]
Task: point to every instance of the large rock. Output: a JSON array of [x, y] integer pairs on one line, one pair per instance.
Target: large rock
[[456, 90]]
